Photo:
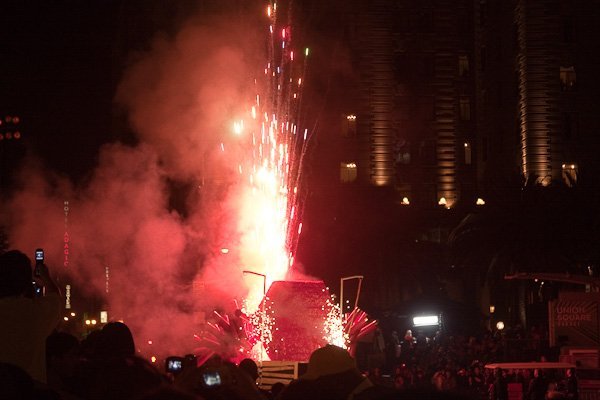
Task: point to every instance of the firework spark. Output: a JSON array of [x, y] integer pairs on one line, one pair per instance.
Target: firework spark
[[271, 214], [271, 221]]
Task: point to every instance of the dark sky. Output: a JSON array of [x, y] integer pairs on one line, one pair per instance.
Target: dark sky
[[59, 76], [60, 64]]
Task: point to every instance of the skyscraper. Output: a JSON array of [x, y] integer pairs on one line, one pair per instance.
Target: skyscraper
[[442, 103]]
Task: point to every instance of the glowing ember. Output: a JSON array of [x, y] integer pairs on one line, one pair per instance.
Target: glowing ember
[[334, 332]]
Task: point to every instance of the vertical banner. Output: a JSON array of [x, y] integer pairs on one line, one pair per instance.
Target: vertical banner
[[66, 261], [66, 238]]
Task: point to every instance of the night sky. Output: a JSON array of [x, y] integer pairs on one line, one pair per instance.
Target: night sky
[[61, 63]]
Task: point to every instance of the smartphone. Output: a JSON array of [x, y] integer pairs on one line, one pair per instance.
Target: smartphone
[[39, 256], [174, 364], [211, 378], [39, 260]]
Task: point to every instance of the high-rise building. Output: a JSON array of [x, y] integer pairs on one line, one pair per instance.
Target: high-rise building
[[448, 98], [443, 104]]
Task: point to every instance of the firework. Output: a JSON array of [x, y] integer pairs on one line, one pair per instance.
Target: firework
[[356, 326], [272, 198], [282, 320]]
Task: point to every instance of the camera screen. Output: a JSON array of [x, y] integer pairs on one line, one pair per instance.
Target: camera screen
[[37, 290], [212, 378], [39, 255], [174, 365]]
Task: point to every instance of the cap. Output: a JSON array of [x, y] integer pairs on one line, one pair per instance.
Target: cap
[[328, 360]]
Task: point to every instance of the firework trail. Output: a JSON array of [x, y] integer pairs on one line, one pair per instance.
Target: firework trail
[[273, 197]]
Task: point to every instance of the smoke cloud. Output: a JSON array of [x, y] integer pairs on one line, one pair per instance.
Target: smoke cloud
[[163, 268]]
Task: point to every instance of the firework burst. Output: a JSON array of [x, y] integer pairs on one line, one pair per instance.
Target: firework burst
[[271, 215]]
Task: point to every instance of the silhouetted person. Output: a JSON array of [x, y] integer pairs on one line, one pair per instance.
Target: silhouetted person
[[114, 340], [500, 386], [332, 374], [537, 386], [276, 389], [572, 391], [128, 377], [249, 367], [62, 361], [26, 319], [112, 347]]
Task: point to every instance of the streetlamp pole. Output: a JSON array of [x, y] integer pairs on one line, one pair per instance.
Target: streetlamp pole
[[259, 274], [347, 278]]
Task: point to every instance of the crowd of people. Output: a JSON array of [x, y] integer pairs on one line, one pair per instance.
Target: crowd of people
[[457, 364], [39, 362]]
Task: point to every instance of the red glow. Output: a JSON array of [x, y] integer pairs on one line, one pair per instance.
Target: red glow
[[270, 211], [296, 338]]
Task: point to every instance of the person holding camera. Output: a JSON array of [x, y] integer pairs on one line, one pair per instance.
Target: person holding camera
[[27, 318], [216, 379]]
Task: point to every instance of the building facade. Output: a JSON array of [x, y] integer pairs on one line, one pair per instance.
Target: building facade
[[445, 106]]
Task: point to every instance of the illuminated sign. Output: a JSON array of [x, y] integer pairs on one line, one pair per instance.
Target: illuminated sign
[[426, 320], [66, 238], [574, 318], [68, 296], [574, 315]]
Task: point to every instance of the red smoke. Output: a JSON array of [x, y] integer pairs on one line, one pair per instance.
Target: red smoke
[[180, 97]]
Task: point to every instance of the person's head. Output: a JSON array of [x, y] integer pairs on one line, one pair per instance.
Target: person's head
[[571, 372], [329, 360], [15, 274], [115, 340], [62, 353], [277, 388], [125, 378], [249, 367]]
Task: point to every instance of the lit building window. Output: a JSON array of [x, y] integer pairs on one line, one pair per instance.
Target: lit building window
[[463, 65], [348, 172], [468, 152], [569, 174], [349, 125], [465, 108], [568, 78]]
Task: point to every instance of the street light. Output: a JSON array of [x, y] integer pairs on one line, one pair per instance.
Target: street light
[[347, 278]]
